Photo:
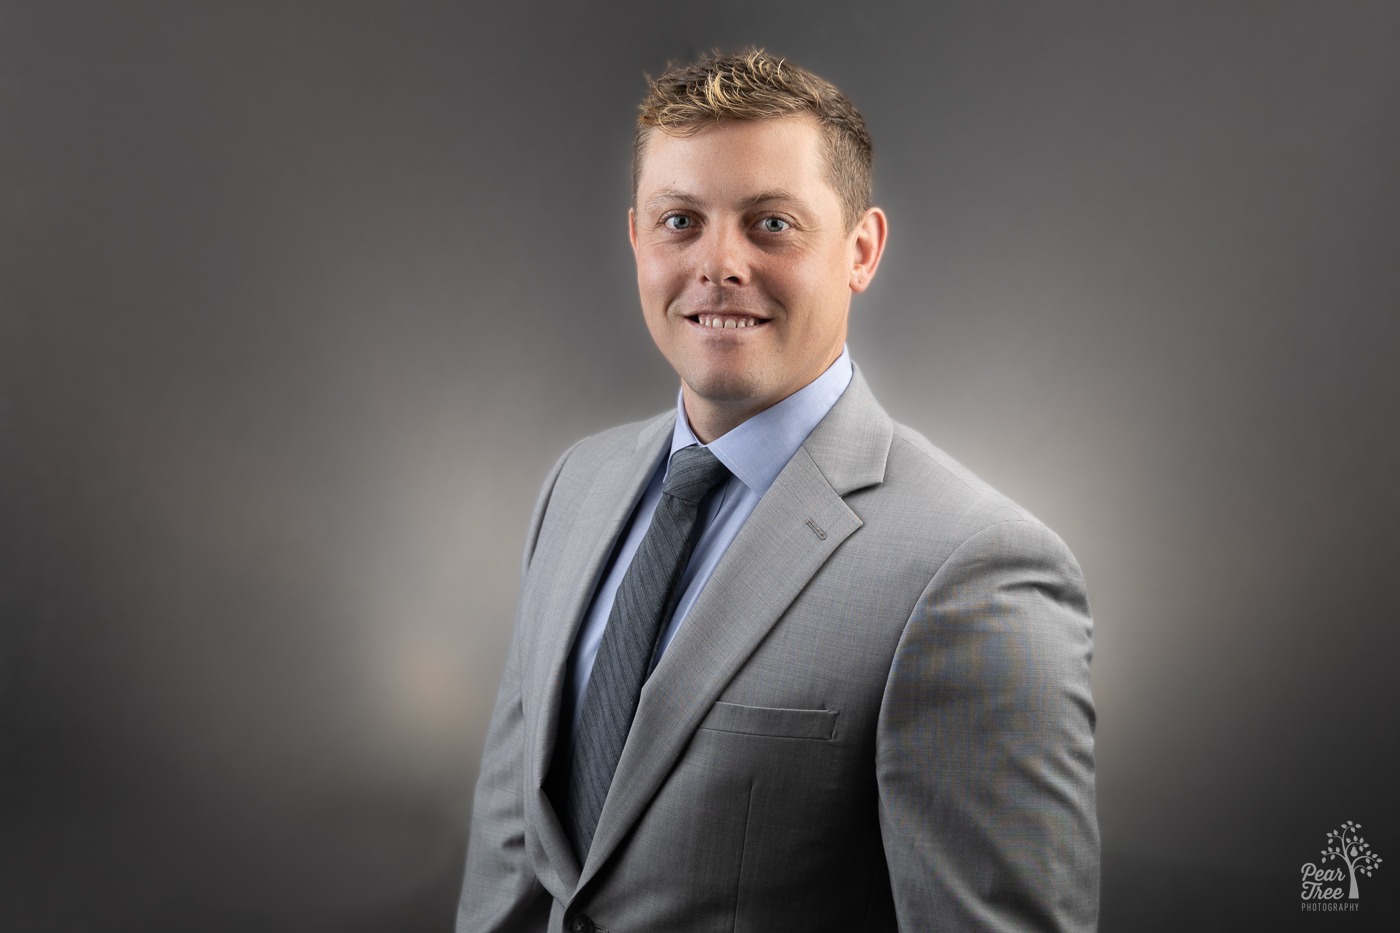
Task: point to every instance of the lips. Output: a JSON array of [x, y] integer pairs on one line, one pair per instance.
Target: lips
[[726, 320]]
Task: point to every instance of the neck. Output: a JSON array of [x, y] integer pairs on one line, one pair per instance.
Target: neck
[[709, 420]]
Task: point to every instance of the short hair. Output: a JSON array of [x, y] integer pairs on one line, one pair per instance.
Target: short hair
[[754, 85]]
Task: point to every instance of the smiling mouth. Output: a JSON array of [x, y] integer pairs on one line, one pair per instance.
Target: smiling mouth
[[726, 321]]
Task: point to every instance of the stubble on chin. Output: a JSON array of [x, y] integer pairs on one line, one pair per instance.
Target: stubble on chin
[[727, 389]]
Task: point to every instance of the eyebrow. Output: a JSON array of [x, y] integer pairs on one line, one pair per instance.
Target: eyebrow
[[674, 195]]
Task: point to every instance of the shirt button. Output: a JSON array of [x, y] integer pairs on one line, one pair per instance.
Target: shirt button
[[581, 923]]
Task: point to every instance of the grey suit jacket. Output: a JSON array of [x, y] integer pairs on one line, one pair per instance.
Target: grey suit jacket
[[875, 717]]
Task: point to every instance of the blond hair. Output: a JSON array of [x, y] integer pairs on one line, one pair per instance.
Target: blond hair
[[753, 85]]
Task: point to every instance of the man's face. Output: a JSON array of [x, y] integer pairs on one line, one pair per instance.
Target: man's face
[[744, 263]]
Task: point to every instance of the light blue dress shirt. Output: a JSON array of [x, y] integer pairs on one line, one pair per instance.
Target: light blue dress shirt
[[755, 453]]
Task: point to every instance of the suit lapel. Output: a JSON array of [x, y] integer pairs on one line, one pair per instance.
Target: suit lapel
[[797, 525], [598, 520]]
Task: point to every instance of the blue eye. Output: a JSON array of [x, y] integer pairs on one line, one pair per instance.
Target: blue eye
[[677, 222], [774, 224]]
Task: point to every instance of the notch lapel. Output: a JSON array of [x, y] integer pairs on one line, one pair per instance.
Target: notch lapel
[[599, 518]]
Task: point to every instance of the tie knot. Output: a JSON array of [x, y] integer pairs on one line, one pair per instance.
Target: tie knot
[[694, 472]]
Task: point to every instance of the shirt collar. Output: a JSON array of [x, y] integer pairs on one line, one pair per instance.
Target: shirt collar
[[757, 450]]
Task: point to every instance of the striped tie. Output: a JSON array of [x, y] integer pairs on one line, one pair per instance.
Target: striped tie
[[644, 601]]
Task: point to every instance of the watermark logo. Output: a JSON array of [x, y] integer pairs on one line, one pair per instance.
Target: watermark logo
[[1323, 885]]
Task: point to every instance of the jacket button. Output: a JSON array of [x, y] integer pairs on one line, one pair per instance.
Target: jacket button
[[580, 923]]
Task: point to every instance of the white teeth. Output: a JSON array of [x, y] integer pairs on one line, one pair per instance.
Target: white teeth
[[715, 321]]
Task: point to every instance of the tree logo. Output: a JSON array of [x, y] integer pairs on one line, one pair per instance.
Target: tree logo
[[1321, 885]]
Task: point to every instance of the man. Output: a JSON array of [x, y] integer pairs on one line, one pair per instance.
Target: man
[[780, 664]]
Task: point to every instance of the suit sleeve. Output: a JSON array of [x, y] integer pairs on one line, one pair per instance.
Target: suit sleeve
[[985, 756], [500, 893]]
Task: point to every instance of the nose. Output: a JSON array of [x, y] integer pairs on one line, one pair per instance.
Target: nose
[[724, 260]]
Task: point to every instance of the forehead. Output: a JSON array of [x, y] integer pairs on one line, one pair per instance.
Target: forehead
[[785, 152]]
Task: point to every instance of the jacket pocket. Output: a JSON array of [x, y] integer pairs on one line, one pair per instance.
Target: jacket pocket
[[765, 720]]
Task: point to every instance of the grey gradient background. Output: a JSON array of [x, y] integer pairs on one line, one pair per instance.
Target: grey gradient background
[[299, 302]]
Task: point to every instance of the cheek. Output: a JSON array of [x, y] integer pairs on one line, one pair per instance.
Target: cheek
[[656, 277]]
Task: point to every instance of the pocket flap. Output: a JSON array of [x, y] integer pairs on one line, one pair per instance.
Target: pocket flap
[[766, 720]]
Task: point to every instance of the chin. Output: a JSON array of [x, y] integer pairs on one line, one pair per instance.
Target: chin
[[728, 388]]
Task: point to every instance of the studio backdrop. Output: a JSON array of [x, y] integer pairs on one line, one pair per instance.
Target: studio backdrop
[[300, 301]]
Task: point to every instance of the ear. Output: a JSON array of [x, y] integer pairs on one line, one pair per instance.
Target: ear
[[868, 245], [632, 229]]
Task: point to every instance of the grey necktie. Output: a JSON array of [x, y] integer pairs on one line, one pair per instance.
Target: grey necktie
[[644, 601]]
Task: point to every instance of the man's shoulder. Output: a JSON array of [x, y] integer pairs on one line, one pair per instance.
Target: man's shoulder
[[925, 483], [925, 468], [575, 474], [929, 506]]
